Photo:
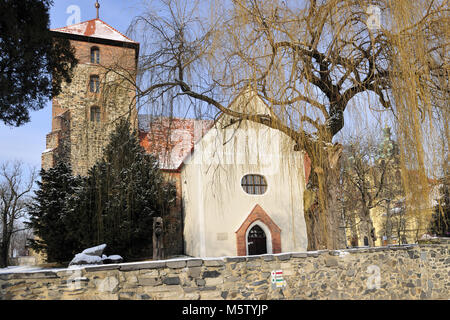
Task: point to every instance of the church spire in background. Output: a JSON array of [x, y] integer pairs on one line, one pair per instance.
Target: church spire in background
[[97, 6]]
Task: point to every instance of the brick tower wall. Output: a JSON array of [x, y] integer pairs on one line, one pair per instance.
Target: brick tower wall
[[74, 137]]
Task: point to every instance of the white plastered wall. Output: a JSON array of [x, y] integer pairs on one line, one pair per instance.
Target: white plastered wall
[[216, 205]]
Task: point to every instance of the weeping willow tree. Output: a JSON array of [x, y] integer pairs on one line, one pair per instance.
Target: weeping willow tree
[[309, 61]]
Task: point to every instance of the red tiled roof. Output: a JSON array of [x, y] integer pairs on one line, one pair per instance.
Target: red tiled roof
[[95, 28], [171, 139]]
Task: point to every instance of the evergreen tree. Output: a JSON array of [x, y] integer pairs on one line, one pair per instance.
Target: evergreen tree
[[115, 204], [33, 64], [48, 213], [120, 197]]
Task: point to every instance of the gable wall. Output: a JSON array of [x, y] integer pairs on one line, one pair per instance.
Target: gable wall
[[214, 201]]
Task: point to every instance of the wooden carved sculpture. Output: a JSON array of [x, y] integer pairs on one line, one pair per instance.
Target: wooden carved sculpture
[[158, 246]]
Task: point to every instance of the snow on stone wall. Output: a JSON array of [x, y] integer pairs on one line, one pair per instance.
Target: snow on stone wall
[[393, 272]]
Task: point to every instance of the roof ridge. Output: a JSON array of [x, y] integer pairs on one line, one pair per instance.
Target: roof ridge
[[62, 29], [71, 25], [115, 30]]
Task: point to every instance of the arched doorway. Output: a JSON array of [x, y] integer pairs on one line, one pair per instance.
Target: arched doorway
[[258, 217], [256, 241]]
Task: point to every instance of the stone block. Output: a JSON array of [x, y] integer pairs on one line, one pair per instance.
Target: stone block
[[104, 296], [129, 286], [331, 261], [169, 295], [126, 295], [171, 280], [214, 263], [314, 254], [164, 288], [333, 252], [107, 285], [211, 274], [210, 295], [299, 255], [149, 281], [176, 264], [200, 282], [210, 282], [152, 273], [268, 257], [5, 276], [194, 263], [192, 296], [189, 289], [235, 259], [288, 272], [12, 284], [131, 278], [102, 268], [211, 288], [258, 283], [143, 265], [284, 257], [423, 256], [35, 275], [232, 279], [350, 272], [228, 286], [253, 258], [253, 265], [194, 272]]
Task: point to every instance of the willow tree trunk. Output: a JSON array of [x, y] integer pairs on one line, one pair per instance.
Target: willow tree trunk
[[323, 210]]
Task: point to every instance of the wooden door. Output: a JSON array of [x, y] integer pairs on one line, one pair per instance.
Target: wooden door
[[256, 240]]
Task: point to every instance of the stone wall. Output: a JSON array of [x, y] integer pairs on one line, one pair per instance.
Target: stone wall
[[394, 272]]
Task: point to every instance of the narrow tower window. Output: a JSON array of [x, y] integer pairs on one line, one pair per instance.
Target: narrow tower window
[[95, 114], [95, 55], [94, 84]]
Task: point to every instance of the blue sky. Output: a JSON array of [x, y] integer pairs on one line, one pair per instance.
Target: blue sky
[[27, 142]]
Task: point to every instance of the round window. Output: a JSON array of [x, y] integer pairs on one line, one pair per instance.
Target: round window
[[254, 184]]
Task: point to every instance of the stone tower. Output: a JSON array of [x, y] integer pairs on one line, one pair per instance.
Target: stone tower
[[101, 92]]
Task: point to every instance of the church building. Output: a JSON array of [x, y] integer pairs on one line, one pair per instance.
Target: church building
[[239, 184]]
